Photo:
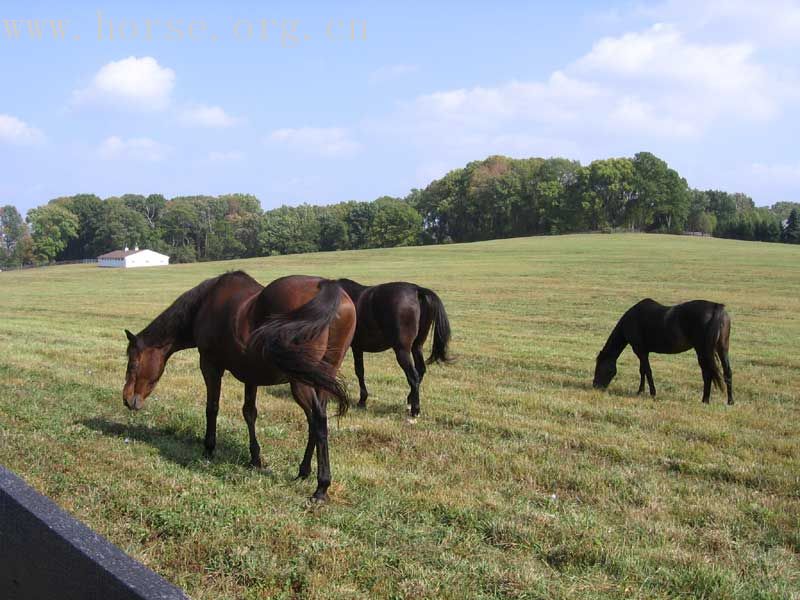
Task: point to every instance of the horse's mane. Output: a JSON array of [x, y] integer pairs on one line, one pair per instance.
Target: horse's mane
[[174, 321]]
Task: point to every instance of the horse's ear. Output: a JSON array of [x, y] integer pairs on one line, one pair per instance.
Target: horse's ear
[[131, 337]]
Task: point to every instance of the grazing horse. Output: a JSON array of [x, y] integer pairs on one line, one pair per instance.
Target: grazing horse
[[398, 316], [652, 327], [296, 330]]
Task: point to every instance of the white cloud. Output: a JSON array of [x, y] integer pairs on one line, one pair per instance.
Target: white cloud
[[139, 149], [133, 83], [15, 131], [391, 72], [330, 142], [648, 86], [722, 78], [207, 116], [769, 22], [559, 98], [225, 157]]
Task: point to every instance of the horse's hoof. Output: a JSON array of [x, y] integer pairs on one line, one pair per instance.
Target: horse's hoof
[[318, 499], [302, 476], [361, 406], [411, 420]]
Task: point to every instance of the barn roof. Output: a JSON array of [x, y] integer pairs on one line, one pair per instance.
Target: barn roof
[[126, 252], [119, 253]]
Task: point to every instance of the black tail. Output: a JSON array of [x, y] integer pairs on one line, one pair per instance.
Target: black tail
[[282, 339], [441, 327], [713, 331]]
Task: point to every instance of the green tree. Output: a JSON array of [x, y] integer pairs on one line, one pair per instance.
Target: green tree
[[13, 231], [149, 207], [333, 234], [89, 209], [121, 226], [289, 230], [396, 223], [607, 187], [52, 226], [791, 232], [179, 227], [661, 197], [358, 216]]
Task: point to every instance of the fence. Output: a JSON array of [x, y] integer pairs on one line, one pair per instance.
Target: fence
[[45, 553]]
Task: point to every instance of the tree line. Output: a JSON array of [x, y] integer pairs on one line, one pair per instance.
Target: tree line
[[498, 197]]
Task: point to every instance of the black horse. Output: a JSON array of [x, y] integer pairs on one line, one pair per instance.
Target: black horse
[[399, 316], [652, 327]]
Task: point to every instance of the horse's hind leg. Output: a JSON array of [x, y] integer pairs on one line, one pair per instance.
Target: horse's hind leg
[[314, 404], [707, 377], [304, 400], [723, 343], [250, 413], [358, 360], [640, 391], [726, 371], [406, 362], [419, 361]]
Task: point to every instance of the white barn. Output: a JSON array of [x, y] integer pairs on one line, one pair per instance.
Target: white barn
[[127, 259]]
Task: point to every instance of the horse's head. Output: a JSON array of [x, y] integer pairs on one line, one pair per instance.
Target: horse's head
[[145, 366], [604, 371]]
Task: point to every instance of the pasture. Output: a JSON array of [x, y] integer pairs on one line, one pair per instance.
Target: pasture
[[519, 480]]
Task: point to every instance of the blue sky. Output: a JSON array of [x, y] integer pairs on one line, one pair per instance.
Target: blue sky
[[315, 116]]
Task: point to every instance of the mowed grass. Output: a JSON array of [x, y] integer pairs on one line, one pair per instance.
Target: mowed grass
[[519, 480]]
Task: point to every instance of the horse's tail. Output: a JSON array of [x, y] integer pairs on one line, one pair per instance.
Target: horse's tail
[[441, 326], [283, 340], [713, 332]]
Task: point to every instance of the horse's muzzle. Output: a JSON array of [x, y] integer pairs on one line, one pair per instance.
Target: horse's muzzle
[[135, 403]]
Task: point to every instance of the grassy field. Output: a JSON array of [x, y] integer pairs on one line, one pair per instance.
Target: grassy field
[[519, 480]]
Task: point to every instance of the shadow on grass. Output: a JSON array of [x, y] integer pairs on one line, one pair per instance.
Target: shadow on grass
[[384, 409], [178, 446]]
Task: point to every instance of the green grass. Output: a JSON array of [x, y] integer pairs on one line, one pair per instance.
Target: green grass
[[519, 480]]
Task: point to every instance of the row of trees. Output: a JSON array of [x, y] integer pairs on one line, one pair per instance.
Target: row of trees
[[199, 228], [504, 197], [494, 198]]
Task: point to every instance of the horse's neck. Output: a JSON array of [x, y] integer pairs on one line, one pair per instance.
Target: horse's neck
[[166, 333], [173, 329], [615, 343]]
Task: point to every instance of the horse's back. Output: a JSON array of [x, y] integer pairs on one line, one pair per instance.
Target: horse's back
[[388, 315], [288, 293]]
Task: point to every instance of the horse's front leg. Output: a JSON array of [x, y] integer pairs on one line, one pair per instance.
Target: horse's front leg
[[649, 374], [213, 378], [645, 372], [358, 360], [250, 413]]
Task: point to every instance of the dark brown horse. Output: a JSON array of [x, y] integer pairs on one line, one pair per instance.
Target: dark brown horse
[[398, 316], [296, 330], [652, 327]]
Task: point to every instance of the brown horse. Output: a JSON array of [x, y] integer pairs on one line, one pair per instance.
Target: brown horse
[[398, 316], [296, 330], [652, 327]]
